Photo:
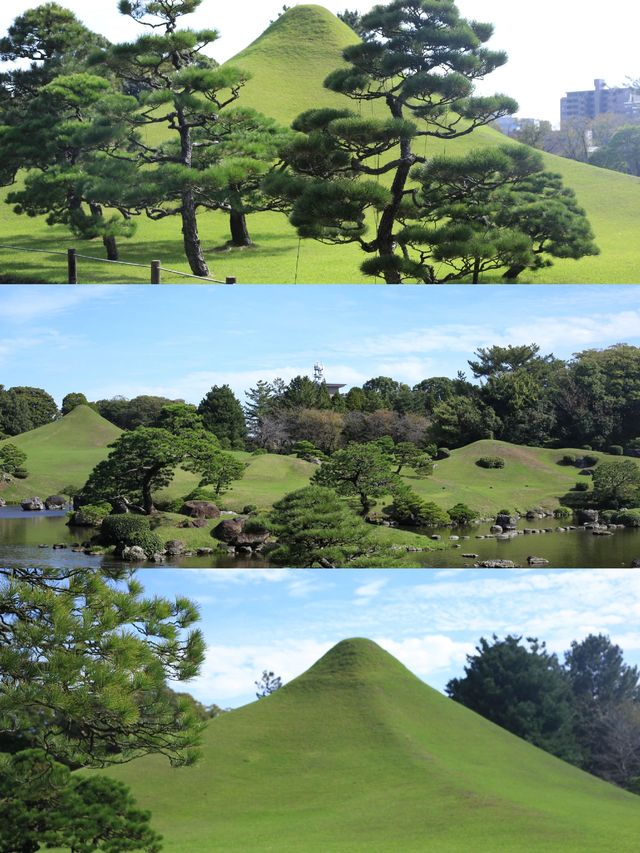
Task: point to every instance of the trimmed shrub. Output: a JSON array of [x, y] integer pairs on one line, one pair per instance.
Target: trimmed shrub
[[490, 462], [443, 453], [410, 509], [590, 461], [259, 451], [462, 514], [615, 450], [581, 487], [563, 512], [249, 508], [123, 530], [21, 473], [587, 447], [91, 515], [172, 505], [568, 459]]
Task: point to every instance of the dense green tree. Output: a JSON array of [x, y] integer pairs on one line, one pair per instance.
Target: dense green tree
[[497, 360], [360, 470], [419, 60], [315, 528], [72, 401], [321, 427], [178, 417], [222, 415], [51, 39], [462, 420], [521, 688], [410, 509], [598, 674], [353, 19], [304, 393], [221, 471], [88, 655], [622, 153], [145, 460], [144, 410], [59, 138], [406, 453], [41, 804], [23, 408], [12, 459], [617, 484], [182, 91], [490, 209]]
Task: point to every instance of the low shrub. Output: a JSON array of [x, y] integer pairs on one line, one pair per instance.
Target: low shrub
[[490, 462], [615, 450], [200, 494], [568, 459], [581, 487], [91, 515], [563, 512], [21, 473], [249, 508], [410, 509], [259, 451], [172, 505], [130, 530], [587, 447], [590, 461], [462, 514], [443, 453]]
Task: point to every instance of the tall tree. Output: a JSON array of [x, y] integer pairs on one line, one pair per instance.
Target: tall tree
[[24, 408], [222, 415], [183, 91], [419, 60], [622, 153], [86, 655], [260, 403], [521, 688], [145, 460], [617, 484], [71, 401]]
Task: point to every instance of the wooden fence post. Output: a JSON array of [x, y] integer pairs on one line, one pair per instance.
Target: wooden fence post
[[72, 266], [155, 272]]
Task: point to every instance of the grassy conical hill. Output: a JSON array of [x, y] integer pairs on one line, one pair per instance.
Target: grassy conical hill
[[61, 453], [290, 61], [359, 755]]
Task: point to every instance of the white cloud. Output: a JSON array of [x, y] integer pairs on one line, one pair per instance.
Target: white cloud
[[368, 591], [25, 304]]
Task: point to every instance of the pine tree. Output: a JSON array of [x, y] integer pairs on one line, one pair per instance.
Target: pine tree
[[184, 91], [223, 416], [419, 60]]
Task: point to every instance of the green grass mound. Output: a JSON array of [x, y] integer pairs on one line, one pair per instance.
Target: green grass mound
[[357, 754], [531, 478], [61, 453]]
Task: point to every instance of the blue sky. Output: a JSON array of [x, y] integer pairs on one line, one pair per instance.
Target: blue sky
[[284, 620], [553, 46], [180, 341]]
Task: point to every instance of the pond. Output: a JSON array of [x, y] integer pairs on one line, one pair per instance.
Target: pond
[[22, 533]]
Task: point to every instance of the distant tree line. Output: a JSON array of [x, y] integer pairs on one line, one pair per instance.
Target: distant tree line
[[585, 710], [518, 395]]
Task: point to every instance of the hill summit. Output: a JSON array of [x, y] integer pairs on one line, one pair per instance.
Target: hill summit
[[290, 61], [357, 754]]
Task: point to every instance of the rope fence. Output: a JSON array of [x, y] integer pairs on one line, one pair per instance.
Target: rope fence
[[156, 269]]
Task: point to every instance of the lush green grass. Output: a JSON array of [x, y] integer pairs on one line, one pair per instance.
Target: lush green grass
[[530, 478], [289, 62], [359, 755], [60, 454]]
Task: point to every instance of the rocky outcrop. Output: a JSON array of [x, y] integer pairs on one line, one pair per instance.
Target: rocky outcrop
[[537, 561], [496, 564], [32, 505], [240, 533], [175, 547], [54, 502], [507, 522], [588, 516], [133, 554], [200, 509]]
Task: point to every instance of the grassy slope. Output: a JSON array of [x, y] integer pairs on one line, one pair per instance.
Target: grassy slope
[[289, 62], [530, 478], [61, 453], [358, 754]]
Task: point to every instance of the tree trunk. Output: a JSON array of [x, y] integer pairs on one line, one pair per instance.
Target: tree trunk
[[147, 499], [239, 230], [108, 242], [384, 237], [192, 245], [513, 272], [191, 237], [476, 270]]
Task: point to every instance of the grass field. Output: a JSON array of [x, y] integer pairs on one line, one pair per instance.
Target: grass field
[[289, 62], [357, 754]]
